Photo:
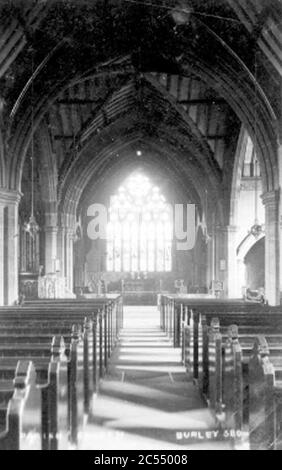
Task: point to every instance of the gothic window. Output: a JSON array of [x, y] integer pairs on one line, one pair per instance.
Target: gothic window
[[139, 230]]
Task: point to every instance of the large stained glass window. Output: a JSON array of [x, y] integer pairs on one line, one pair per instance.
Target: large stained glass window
[[140, 229]]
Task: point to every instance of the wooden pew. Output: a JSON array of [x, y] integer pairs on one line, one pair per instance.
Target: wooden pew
[[220, 358], [20, 410], [108, 324], [52, 382], [174, 309], [253, 323], [92, 364], [235, 367], [112, 302], [265, 390], [22, 324], [94, 303], [42, 331], [72, 370], [253, 390], [217, 350], [97, 352], [208, 351]]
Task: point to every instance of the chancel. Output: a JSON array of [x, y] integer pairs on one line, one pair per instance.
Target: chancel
[[140, 225]]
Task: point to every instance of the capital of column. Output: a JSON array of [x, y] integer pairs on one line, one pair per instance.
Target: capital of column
[[8, 196]]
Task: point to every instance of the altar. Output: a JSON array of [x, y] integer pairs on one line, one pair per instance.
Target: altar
[[139, 292]]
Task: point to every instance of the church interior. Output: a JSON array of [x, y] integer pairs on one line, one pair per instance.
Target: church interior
[[126, 128]]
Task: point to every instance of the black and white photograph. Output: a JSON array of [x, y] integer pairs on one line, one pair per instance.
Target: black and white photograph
[[140, 228]]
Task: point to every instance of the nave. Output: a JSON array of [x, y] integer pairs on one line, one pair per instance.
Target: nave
[[146, 400], [190, 373]]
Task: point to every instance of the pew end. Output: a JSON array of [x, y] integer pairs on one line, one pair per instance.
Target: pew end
[[23, 413], [261, 392]]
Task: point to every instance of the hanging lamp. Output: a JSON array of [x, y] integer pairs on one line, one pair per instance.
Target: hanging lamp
[[32, 226], [256, 229]]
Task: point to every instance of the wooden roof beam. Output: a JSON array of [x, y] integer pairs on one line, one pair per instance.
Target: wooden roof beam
[[77, 101], [64, 137], [208, 101]]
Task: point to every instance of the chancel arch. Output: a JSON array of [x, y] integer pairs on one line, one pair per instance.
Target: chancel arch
[[156, 262]]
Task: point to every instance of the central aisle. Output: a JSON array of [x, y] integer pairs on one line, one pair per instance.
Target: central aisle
[[147, 401]]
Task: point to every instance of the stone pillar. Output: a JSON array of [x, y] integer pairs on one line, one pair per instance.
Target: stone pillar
[[226, 261], [69, 236], [280, 206], [241, 277], [272, 251], [2, 250], [220, 254], [210, 263], [50, 230], [210, 258], [233, 281], [61, 238], [9, 246]]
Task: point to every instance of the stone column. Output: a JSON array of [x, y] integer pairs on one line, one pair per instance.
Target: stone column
[[9, 246], [233, 281], [67, 232], [241, 277], [226, 260], [50, 230], [280, 205], [69, 236], [210, 256], [61, 236], [210, 262], [220, 254], [272, 249]]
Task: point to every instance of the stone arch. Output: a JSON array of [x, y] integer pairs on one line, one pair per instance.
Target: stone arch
[[247, 244], [80, 176], [3, 163], [243, 100], [222, 77], [244, 248]]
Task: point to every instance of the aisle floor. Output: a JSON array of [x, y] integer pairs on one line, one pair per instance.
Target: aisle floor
[[147, 400]]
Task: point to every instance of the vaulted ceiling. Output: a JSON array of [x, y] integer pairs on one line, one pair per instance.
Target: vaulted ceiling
[[93, 78], [86, 109]]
